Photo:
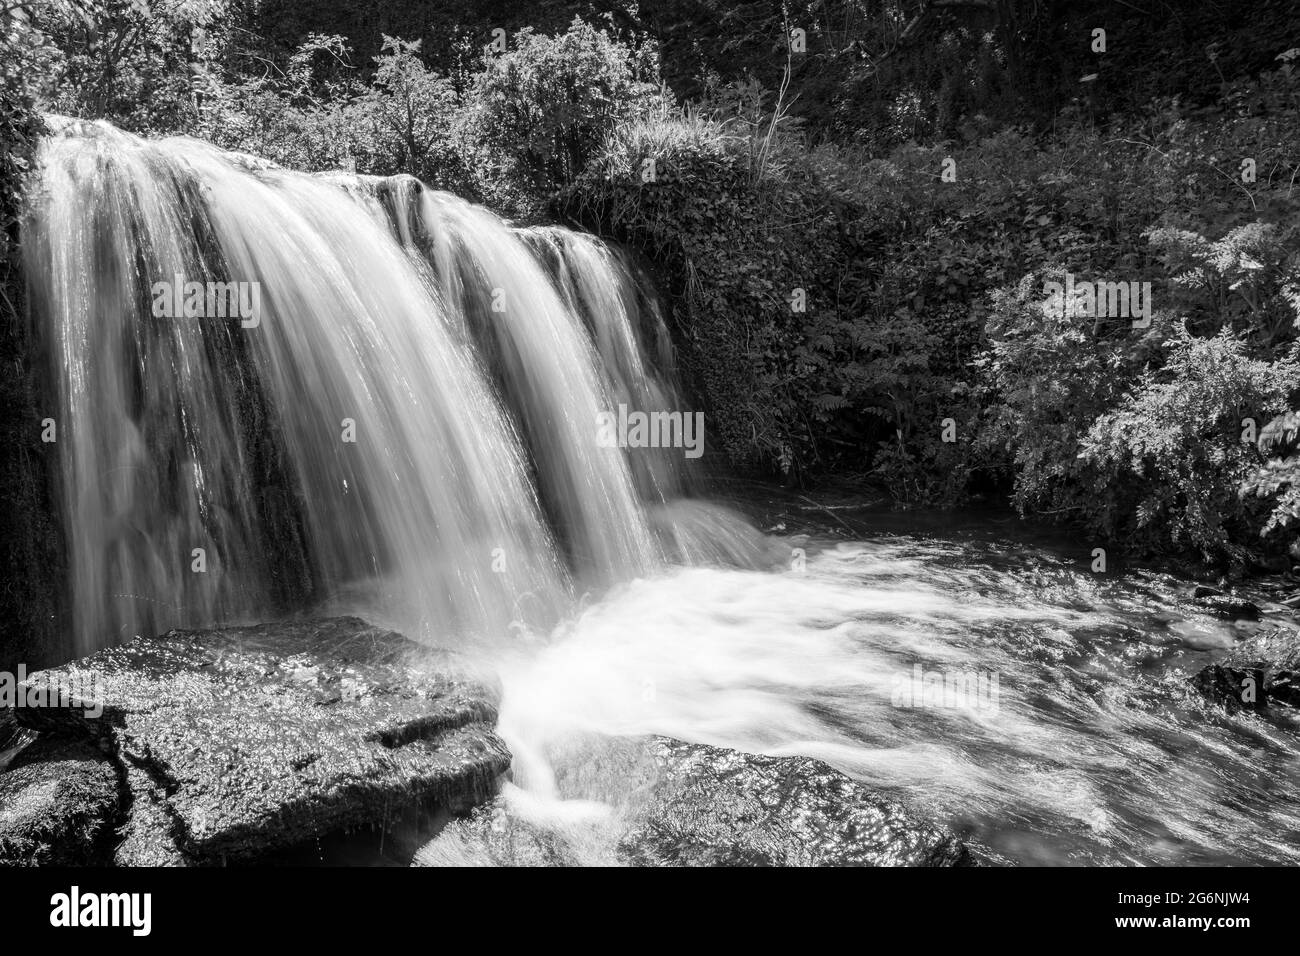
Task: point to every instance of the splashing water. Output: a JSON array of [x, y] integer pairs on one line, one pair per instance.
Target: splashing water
[[1092, 749]]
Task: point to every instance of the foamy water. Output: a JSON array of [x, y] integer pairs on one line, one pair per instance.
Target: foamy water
[[1094, 750]]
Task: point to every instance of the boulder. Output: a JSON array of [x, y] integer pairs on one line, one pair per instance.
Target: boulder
[[235, 742], [679, 804], [13, 738], [1228, 607], [1260, 671], [722, 807], [58, 800]]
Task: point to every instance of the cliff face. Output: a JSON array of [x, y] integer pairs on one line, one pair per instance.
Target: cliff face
[[31, 576]]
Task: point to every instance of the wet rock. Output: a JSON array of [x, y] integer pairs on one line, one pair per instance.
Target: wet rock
[[149, 835], [235, 742], [724, 808], [13, 739], [1204, 590], [497, 834], [1233, 688], [678, 804], [1228, 607], [58, 800], [1264, 669]]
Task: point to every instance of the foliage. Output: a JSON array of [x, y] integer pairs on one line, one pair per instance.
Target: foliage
[[143, 66], [544, 107], [1050, 369], [747, 248], [413, 117], [1249, 279], [297, 117], [1173, 453]]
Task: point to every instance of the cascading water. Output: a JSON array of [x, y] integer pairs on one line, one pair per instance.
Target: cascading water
[[628, 331], [547, 371], [415, 400], [407, 427]]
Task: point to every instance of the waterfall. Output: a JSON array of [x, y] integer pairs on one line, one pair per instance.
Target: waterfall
[[273, 393], [408, 422]]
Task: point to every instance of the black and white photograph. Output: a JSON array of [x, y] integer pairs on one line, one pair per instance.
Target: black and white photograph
[[650, 434]]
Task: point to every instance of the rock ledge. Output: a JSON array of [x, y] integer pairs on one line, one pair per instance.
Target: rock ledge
[[231, 743]]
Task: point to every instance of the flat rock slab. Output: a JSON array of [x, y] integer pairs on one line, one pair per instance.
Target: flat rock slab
[[680, 804], [238, 741]]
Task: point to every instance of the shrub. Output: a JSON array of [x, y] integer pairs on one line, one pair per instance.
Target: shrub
[[302, 117], [1050, 370], [752, 253], [1173, 452], [141, 67], [412, 116], [545, 107], [1249, 280]]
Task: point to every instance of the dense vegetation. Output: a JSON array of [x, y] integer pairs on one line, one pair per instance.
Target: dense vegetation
[[855, 208]]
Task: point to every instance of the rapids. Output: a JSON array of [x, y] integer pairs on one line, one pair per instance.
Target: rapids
[[1094, 749]]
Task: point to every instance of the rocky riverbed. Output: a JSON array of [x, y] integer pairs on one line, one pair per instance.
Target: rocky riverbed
[[239, 745], [681, 804], [268, 743]]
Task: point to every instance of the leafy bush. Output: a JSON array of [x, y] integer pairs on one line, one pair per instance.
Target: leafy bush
[[1278, 479], [1249, 280], [142, 67], [414, 118], [1051, 368], [1171, 458], [752, 251], [544, 108], [317, 115], [302, 117], [1144, 436]]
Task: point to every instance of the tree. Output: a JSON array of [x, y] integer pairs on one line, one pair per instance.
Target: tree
[[546, 106]]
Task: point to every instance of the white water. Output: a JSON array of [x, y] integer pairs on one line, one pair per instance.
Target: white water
[[474, 496], [1097, 751]]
